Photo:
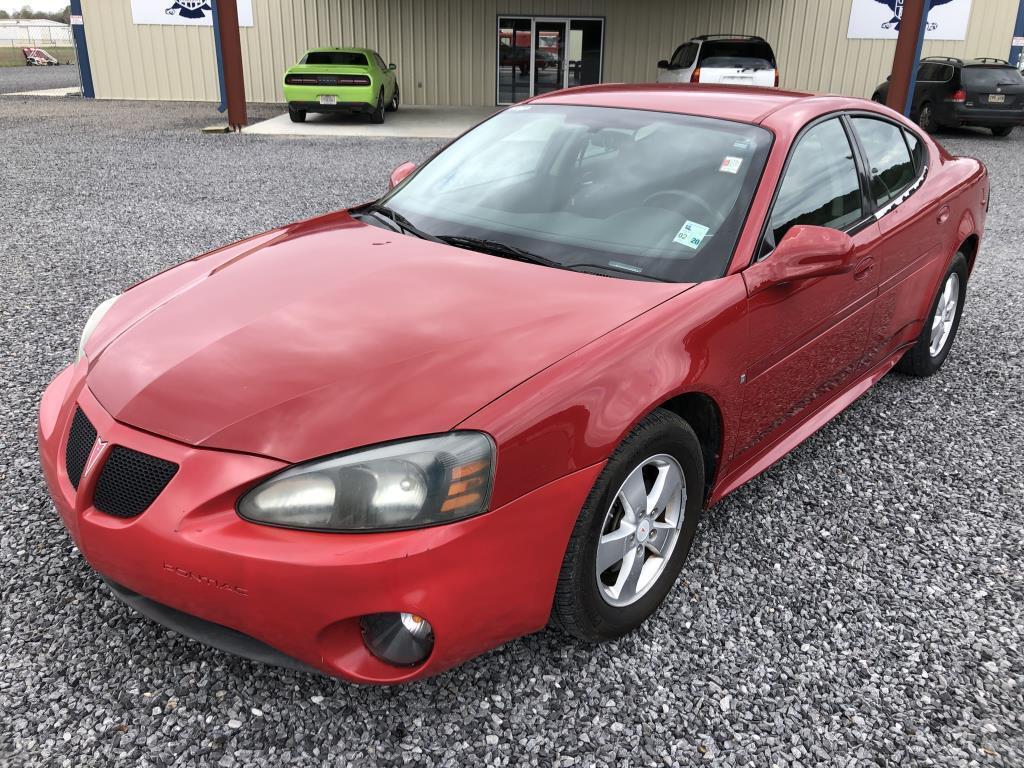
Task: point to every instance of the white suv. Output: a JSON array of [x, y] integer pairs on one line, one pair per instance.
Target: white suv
[[727, 59]]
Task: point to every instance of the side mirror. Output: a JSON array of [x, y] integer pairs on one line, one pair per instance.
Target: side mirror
[[392, 66], [663, 64], [803, 253], [398, 175], [888, 78]]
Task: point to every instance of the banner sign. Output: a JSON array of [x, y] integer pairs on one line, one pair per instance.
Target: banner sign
[[880, 19], [184, 13]]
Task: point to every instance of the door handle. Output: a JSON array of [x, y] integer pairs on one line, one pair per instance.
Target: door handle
[[943, 216], [863, 268]]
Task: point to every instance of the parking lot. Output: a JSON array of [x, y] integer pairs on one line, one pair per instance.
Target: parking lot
[[859, 603]]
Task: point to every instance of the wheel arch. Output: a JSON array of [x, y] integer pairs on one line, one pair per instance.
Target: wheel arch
[[704, 416], [969, 248]]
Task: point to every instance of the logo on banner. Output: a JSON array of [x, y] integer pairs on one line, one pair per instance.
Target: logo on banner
[[197, 9], [896, 6]]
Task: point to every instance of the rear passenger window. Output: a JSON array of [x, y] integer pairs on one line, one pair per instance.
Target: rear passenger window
[[821, 186], [916, 150], [892, 169], [684, 55]]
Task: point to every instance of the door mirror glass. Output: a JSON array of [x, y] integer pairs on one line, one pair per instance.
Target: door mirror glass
[[392, 66], [400, 173]]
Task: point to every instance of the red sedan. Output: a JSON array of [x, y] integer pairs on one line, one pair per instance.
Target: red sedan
[[384, 440]]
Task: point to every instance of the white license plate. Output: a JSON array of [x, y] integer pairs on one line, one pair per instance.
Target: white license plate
[[328, 100], [996, 98]]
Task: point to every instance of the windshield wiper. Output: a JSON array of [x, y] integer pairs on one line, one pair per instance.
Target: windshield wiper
[[403, 224], [617, 270], [495, 248]]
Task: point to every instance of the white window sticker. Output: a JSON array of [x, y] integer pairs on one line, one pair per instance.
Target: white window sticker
[[691, 235], [730, 164]]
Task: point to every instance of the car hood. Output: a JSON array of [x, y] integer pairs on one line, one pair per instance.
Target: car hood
[[332, 334]]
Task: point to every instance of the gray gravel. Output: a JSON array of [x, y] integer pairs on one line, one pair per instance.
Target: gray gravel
[[18, 79], [860, 603]]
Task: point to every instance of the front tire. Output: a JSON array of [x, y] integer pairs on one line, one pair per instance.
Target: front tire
[[1001, 131], [634, 531], [395, 99], [297, 115], [936, 338]]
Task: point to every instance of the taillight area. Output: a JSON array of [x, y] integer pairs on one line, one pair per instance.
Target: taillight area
[[695, 77], [333, 80], [958, 97]]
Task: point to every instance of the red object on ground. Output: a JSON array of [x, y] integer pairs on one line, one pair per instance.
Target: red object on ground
[[264, 353]]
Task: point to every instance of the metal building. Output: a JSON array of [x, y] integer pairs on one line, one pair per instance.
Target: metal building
[[462, 52], [34, 32]]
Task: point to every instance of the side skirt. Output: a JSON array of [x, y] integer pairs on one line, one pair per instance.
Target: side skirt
[[803, 430]]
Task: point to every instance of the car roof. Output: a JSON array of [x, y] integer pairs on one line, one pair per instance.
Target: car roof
[[739, 103], [340, 50]]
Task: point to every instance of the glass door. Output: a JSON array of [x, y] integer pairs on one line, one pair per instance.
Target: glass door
[[540, 55], [550, 70], [515, 52]]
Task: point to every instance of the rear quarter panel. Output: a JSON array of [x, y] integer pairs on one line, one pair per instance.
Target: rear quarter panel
[[920, 237]]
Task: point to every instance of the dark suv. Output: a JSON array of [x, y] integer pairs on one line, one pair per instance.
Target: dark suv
[[952, 92]]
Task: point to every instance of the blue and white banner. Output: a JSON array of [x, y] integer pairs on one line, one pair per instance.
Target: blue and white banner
[[880, 19], [184, 13]]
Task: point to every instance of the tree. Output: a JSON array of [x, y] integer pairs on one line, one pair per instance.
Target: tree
[[4, 14]]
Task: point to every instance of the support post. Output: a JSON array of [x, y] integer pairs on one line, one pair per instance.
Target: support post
[[230, 60], [81, 50], [908, 54], [1017, 48]]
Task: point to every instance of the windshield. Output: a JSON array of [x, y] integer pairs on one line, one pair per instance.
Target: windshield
[[990, 77], [619, 191]]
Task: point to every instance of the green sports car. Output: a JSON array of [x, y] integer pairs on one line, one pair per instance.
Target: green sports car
[[341, 80]]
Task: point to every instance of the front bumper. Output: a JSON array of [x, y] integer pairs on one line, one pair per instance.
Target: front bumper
[[480, 582]]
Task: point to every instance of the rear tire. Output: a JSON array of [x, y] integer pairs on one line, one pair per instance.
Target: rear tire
[[297, 115], [926, 119], [601, 602], [936, 338], [1002, 131], [377, 116]]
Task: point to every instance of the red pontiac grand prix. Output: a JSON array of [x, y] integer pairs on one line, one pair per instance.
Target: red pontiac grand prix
[[384, 440]]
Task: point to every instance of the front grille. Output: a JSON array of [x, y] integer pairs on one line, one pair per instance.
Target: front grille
[[130, 481], [81, 439], [326, 80]]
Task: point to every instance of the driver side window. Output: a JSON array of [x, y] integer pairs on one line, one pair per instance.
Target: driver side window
[[821, 186]]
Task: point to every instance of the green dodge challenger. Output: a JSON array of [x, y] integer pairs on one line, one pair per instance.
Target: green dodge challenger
[[341, 80]]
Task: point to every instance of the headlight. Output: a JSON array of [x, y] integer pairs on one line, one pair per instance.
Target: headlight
[[91, 323], [412, 484]]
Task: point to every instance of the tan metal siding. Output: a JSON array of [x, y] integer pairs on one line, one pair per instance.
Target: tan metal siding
[[146, 61], [445, 49]]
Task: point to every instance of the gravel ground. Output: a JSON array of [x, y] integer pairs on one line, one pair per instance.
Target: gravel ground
[[17, 79], [860, 603]]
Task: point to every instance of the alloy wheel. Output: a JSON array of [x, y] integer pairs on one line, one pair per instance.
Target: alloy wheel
[[945, 314], [640, 530]]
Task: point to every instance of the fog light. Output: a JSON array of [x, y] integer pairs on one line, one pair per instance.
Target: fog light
[[402, 639]]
